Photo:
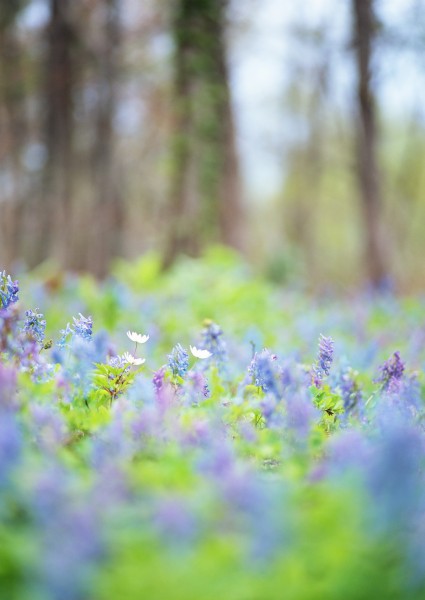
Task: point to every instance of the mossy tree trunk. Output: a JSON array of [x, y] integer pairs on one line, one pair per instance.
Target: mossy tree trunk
[[205, 199]]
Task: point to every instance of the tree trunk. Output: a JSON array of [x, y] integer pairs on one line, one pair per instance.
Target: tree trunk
[[53, 211], [108, 218], [367, 142], [205, 203], [13, 133]]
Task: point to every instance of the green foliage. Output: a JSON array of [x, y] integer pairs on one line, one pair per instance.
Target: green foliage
[[330, 404]]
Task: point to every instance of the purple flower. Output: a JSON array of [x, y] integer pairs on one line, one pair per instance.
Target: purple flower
[[326, 352], [158, 379], [324, 360], [391, 373]]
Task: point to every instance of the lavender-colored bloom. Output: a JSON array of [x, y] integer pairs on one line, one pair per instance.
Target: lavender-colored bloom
[[213, 341], [35, 325], [8, 290], [391, 373], [324, 360], [158, 379], [326, 351], [178, 361], [83, 327], [262, 372]]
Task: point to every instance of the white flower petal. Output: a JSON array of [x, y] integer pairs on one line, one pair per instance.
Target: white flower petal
[[137, 337], [198, 353], [139, 361], [129, 358], [132, 360]]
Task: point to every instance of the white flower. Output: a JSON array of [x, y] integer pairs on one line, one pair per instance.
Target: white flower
[[137, 337], [132, 360], [200, 353]]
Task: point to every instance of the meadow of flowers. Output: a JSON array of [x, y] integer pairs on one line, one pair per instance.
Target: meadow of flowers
[[203, 434]]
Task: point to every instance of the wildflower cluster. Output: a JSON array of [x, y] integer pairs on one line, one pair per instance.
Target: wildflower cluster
[[123, 457]]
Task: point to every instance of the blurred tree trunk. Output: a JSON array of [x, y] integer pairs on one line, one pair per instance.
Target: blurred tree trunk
[[52, 217], [108, 218], [205, 202], [365, 28], [13, 131]]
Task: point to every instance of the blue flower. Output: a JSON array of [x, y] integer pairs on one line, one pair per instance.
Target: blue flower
[[35, 325], [178, 361], [83, 327], [8, 290], [263, 375]]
